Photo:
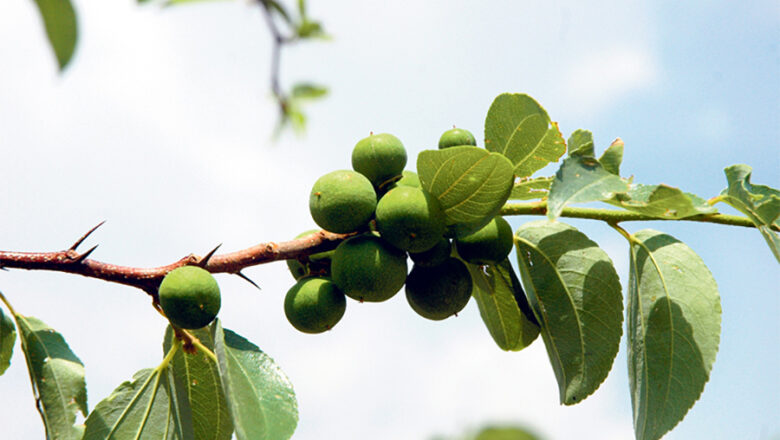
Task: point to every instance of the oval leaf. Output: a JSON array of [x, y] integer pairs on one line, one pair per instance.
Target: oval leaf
[[198, 389], [141, 409], [59, 19], [7, 339], [519, 128], [503, 306], [57, 377], [673, 331], [662, 201], [470, 183], [574, 292], [581, 179], [260, 397]]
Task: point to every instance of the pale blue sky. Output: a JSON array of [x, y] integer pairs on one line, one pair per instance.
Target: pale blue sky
[[161, 126]]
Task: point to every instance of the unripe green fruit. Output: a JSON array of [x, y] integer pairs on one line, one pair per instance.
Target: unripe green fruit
[[342, 201], [189, 296], [410, 178], [441, 291], [489, 245], [366, 268], [455, 137], [410, 219], [434, 256], [380, 157], [315, 264], [314, 305]]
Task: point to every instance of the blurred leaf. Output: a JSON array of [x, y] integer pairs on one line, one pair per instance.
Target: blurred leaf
[[613, 157], [575, 294], [142, 409], [760, 203], [470, 183], [308, 91], [198, 389], [662, 201], [57, 377], [673, 331], [181, 2], [505, 433], [260, 397], [581, 179], [276, 6], [519, 128], [310, 29], [59, 19], [7, 340], [500, 297], [529, 189], [581, 143]]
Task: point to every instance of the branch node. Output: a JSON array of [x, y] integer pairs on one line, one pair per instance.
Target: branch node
[[84, 237]]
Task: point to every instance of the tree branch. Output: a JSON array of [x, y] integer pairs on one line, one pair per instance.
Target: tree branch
[[148, 279]]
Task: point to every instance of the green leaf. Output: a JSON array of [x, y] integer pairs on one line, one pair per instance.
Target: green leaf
[[260, 397], [59, 19], [310, 29], [196, 382], [7, 340], [470, 183], [276, 6], [613, 157], [57, 377], [142, 409], [581, 143], [662, 201], [503, 306], [529, 189], [759, 202], [581, 179], [308, 91], [673, 331], [519, 128], [574, 292]]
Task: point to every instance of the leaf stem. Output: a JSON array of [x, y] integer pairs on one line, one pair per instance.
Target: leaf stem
[[613, 216]]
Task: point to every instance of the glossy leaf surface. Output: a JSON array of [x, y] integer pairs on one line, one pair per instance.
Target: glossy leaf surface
[[503, 306], [662, 201], [260, 397], [470, 183], [759, 202], [673, 326], [519, 128], [582, 179], [57, 376], [575, 294]]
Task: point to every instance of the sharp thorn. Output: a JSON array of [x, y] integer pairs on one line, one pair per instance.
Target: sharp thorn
[[84, 256], [247, 279], [205, 260], [84, 237]]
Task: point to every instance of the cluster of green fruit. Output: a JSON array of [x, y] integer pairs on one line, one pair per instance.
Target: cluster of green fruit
[[395, 219]]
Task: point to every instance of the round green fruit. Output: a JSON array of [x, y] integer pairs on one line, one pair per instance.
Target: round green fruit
[[409, 178], [314, 305], [489, 245], [455, 137], [342, 201], [366, 268], [441, 291], [189, 296], [410, 219], [434, 256], [380, 157]]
